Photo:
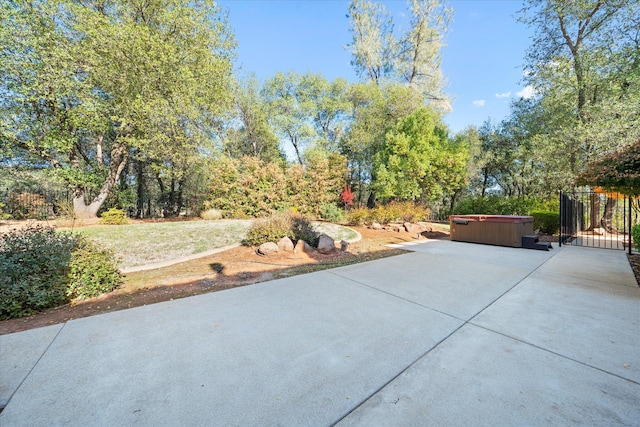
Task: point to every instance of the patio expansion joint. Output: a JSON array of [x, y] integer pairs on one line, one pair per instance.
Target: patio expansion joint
[[555, 353], [405, 369], [33, 367], [397, 296], [410, 365], [631, 285]]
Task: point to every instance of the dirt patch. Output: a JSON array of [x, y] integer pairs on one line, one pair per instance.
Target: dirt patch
[[225, 270]]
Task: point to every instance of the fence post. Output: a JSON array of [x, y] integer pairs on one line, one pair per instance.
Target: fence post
[[630, 222], [560, 231]]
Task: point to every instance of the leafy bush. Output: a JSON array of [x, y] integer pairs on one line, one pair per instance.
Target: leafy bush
[[211, 214], [391, 212], [358, 216], [114, 217], [269, 229], [635, 233], [34, 263], [498, 205], [277, 226], [331, 212], [93, 270], [546, 221], [250, 187], [38, 268], [404, 212], [302, 229], [3, 214]]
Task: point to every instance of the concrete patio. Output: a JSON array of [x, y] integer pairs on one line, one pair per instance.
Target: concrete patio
[[449, 334]]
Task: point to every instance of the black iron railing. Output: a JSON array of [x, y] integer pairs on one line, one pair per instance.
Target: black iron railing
[[596, 219]]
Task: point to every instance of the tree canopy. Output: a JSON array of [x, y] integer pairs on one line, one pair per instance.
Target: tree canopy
[[412, 57], [89, 84], [618, 171]]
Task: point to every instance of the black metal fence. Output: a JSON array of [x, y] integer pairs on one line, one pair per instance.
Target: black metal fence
[[50, 204], [39, 204], [597, 220]]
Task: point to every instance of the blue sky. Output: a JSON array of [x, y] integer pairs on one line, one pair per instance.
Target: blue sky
[[482, 61]]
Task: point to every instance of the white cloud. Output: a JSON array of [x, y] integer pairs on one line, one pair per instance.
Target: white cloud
[[479, 103], [527, 93], [503, 95]]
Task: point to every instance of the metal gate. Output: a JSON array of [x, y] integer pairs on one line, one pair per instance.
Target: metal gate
[[597, 219]]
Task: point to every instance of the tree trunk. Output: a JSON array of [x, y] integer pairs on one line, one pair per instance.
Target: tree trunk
[[119, 156], [594, 209], [453, 200], [371, 202], [607, 216], [140, 189]]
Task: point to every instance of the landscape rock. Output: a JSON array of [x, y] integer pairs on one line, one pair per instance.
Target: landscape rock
[[326, 244], [303, 247], [395, 227], [268, 248], [413, 228], [344, 245], [376, 226], [426, 226], [285, 244]]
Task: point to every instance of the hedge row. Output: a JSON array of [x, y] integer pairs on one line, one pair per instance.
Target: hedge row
[[250, 187]]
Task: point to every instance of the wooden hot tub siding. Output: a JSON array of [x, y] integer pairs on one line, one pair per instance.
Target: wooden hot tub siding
[[500, 230]]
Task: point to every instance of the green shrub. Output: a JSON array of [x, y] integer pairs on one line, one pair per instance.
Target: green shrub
[[499, 205], [391, 212], [33, 268], [250, 187], [358, 216], [211, 214], [302, 229], [38, 267], [3, 214], [277, 226], [331, 212], [114, 216], [635, 233], [385, 214], [93, 270], [546, 221], [269, 229]]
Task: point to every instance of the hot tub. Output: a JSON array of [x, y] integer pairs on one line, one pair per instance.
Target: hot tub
[[501, 230]]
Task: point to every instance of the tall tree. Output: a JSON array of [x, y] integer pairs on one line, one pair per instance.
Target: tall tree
[[581, 52], [327, 105], [288, 114], [412, 57], [375, 110], [374, 45], [88, 83], [418, 162], [420, 56], [251, 134]]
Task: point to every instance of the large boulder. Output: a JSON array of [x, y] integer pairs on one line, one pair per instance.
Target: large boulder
[[268, 248], [413, 228], [285, 245], [326, 244], [303, 247], [376, 226]]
